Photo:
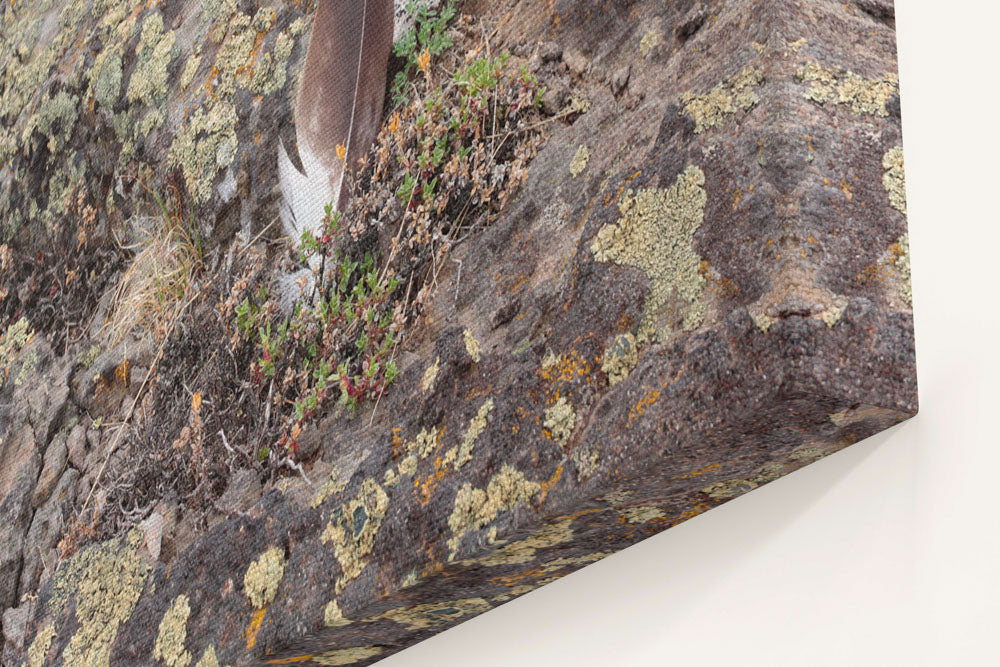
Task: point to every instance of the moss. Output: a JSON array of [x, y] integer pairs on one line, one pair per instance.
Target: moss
[[862, 96], [333, 617], [106, 579], [260, 583], [476, 427], [204, 146], [656, 234], [735, 93], [347, 656], [39, 648], [472, 346], [169, 645], [641, 514], [474, 508], [430, 375], [353, 530], [579, 162], [894, 178], [620, 358], [435, 613], [560, 420], [208, 658]]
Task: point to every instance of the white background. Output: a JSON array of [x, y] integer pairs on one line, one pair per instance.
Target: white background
[[887, 553]]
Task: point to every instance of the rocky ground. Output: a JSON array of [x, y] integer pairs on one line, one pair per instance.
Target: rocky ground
[[671, 266]]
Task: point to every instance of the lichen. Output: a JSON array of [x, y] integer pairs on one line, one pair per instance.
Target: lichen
[[901, 260], [560, 419], [332, 486], [641, 514], [153, 53], [474, 508], [735, 93], [862, 96], [762, 320], [40, 646], [729, 488], [352, 532], [208, 658], [472, 346], [894, 178], [430, 375], [476, 426], [649, 42], [620, 358], [106, 78], [347, 656], [435, 613], [205, 145], [333, 617], [656, 234], [586, 460], [424, 443], [107, 580], [260, 583], [523, 551], [832, 315], [169, 645], [579, 162]]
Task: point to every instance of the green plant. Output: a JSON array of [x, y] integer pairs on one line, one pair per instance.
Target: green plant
[[428, 37]]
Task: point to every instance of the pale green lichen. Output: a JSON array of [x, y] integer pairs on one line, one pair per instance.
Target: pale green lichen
[[560, 420], [649, 42], [861, 95], [107, 580], [11, 343], [260, 583], [40, 646], [169, 645], [352, 532], [347, 656], [894, 178], [762, 320], [28, 365], [435, 613], [472, 346], [190, 69], [154, 53], [205, 145], [408, 466], [901, 260], [832, 315], [656, 234], [430, 375], [729, 488], [641, 514], [579, 162], [523, 551], [474, 508], [208, 658], [333, 617], [425, 443], [106, 78], [476, 426], [620, 358], [735, 93], [586, 460], [332, 486]]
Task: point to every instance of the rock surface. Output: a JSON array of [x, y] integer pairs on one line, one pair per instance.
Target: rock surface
[[701, 286]]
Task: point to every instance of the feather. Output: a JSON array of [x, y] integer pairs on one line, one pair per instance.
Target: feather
[[339, 104]]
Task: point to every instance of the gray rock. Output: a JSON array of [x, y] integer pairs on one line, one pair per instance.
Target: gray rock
[[77, 447], [20, 462], [53, 465], [576, 61], [46, 530], [243, 491], [15, 624], [619, 80]]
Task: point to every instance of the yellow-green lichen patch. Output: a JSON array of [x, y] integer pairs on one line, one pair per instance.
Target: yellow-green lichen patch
[[861, 95], [333, 617], [900, 257], [735, 93], [153, 53], [474, 508], [586, 460], [641, 514], [425, 443], [106, 580], [762, 320], [435, 613], [430, 375], [656, 234], [40, 646], [579, 162], [55, 120], [12, 341], [106, 78], [649, 42], [472, 346], [729, 488], [332, 486], [260, 583], [620, 358], [205, 145], [832, 315], [408, 466], [523, 551], [347, 656], [169, 646], [894, 178], [208, 658], [190, 69], [560, 420], [353, 530], [476, 426]]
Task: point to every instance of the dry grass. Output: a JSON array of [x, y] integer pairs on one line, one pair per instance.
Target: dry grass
[[153, 289]]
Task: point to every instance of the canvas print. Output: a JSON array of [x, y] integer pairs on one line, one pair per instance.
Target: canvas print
[[326, 325]]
